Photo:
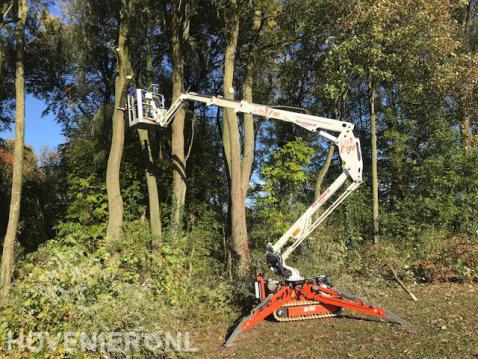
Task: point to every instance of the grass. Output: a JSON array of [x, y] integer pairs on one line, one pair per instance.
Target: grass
[[444, 319]]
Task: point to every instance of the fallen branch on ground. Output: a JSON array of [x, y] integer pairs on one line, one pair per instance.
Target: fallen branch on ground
[[394, 272]]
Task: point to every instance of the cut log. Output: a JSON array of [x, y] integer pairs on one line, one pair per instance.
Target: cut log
[[394, 272]]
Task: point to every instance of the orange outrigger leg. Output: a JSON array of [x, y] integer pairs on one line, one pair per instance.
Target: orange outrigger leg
[[309, 291]]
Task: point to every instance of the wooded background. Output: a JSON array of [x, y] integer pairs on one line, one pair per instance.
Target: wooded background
[[187, 211]]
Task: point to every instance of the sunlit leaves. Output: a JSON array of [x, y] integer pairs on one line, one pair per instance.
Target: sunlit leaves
[[286, 171]]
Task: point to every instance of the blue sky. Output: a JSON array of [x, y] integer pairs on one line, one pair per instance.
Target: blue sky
[[40, 131]]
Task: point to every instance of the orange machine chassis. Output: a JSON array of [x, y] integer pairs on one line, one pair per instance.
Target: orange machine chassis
[[327, 301]]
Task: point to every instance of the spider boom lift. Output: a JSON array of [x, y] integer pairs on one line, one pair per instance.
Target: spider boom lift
[[292, 297]]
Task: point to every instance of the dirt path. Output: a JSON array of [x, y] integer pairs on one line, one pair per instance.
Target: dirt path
[[445, 326]]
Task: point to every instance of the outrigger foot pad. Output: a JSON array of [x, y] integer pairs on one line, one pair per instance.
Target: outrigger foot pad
[[236, 332], [393, 318]]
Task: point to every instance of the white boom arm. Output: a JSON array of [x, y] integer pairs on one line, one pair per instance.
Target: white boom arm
[[349, 151]]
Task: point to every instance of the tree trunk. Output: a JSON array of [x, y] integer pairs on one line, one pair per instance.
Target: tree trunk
[[466, 19], [323, 171], [466, 135], [233, 152], [373, 130], [248, 154], [151, 182], [177, 127], [17, 176], [153, 196], [115, 201], [1, 52]]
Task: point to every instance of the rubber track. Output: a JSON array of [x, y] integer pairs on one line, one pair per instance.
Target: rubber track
[[303, 317]]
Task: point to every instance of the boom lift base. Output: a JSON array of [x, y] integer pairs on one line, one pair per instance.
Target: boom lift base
[[306, 299]]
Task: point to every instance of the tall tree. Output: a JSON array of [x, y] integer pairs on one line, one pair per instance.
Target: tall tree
[[153, 196], [115, 200], [232, 146], [386, 88], [247, 90], [373, 134], [17, 177], [180, 29]]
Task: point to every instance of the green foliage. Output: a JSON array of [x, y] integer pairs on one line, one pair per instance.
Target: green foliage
[[324, 252], [284, 174], [269, 223], [76, 282], [444, 196], [286, 171], [134, 200], [88, 201]]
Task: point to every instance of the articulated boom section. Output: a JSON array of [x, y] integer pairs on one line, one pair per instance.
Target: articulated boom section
[[349, 151], [147, 108]]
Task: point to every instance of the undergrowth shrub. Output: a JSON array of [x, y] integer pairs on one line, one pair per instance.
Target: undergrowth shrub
[[322, 253], [360, 271], [77, 282], [452, 260]]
